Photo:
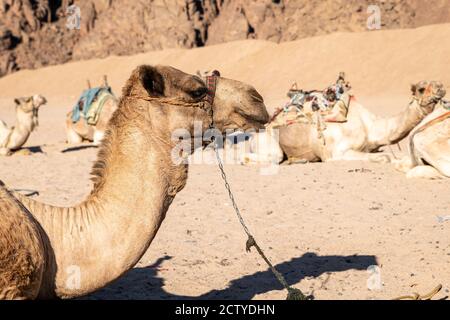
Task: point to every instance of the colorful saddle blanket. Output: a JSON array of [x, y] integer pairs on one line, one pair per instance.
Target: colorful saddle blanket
[[90, 104]]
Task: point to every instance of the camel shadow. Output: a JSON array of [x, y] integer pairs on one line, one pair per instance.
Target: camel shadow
[[28, 151], [148, 285], [79, 148], [36, 149]]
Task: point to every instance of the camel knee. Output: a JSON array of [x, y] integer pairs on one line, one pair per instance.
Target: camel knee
[[403, 165], [73, 137], [380, 158], [445, 170], [424, 172], [98, 137], [5, 152]]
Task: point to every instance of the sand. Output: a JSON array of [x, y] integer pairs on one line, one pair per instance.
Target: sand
[[323, 225]]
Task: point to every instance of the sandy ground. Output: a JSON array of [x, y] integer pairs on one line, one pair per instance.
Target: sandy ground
[[323, 225]]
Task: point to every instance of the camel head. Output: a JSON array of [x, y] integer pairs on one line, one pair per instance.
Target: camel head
[[428, 93], [181, 99], [30, 106], [238, 106]]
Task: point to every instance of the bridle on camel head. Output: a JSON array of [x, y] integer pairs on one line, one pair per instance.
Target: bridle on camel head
[[211, 85], [428, 94]]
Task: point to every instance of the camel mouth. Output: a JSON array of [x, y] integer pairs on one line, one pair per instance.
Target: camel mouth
[[257, 124], [258, 121], [250, 124]]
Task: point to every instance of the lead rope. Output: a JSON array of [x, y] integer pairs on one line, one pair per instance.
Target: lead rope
[[293, 293], [416, 296]]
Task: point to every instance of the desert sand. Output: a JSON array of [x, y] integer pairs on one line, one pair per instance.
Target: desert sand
[[323, 224]]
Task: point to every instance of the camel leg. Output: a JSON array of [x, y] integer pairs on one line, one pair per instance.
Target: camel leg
[[436, 152], [444, 168], [73, 137], [5, 152], [98, 137], [352, 155], [294, 160], [424, 172], [403, 165]]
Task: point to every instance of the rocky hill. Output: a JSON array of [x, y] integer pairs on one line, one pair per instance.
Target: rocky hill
[[34, 33]]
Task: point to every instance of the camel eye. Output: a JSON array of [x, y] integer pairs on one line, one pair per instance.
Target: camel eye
[[199, 93], [421, 90]]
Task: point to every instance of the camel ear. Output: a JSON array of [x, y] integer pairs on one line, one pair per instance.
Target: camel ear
[[146, 78], [151, 80], [413, 88], [17, 101]]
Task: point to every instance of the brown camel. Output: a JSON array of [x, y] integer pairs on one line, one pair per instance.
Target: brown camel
[[48, 252]]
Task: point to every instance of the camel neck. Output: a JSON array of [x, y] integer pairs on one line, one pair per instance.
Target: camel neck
[[393, 130], [97, 241], [25, 122]]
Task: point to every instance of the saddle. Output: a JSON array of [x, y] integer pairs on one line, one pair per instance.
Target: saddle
[[90, 104]]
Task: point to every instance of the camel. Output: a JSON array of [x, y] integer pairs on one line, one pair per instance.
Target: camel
[[359, 138], [429, 146], [51, 252], [80, 131], [12, 139]]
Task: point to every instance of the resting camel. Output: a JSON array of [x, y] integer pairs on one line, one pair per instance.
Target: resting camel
[[12, 139], [429, 146], [51, 252], [360, 138], [82, 131]]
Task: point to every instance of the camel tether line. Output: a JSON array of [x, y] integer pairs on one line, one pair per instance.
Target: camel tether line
[[416, 296], [27, 192], [293, 293]]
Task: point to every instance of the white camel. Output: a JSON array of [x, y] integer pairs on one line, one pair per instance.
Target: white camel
[[13, 138], [360, 138], [429, 146]]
